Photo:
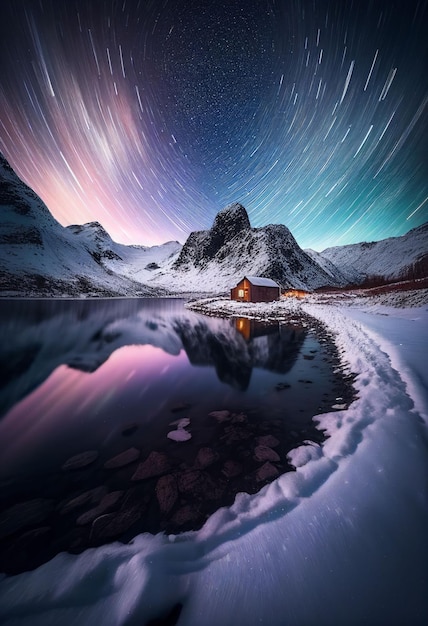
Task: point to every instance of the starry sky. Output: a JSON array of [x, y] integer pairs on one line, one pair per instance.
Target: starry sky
[[152, 115]]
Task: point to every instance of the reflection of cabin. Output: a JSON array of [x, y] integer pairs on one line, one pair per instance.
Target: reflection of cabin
[[295, 293], [255, 289], [251, 329]]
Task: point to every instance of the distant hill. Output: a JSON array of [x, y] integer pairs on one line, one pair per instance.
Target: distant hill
[[389, 260]]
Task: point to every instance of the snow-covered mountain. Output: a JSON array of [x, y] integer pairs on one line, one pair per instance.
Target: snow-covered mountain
[[38, 256], [388, 260], [138, 263], [215, 259]]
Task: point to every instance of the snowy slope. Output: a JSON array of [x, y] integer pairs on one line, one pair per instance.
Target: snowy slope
[[342, 540], [214, 260], [392, 259], [38, 256], [347, 275], [138, 263]]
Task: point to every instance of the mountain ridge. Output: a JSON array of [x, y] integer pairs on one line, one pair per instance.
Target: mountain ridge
[[388, 260], [40, 257], [231, 247]]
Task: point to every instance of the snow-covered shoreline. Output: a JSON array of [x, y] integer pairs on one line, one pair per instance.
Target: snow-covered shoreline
[[340, 541]]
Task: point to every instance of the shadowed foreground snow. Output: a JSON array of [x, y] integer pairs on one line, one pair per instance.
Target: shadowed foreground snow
[[340, 541]]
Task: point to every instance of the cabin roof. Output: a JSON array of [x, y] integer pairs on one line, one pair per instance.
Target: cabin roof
[[259, 281]]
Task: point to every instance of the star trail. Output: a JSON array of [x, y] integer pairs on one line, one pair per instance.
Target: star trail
[[151, 116]]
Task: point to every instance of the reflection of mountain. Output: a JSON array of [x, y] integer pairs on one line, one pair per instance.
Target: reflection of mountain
[[234, 356], [36, 337]]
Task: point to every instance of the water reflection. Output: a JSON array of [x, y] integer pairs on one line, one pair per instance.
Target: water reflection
[[39, 336]]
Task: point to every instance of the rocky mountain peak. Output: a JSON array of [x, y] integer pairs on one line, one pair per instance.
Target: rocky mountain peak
[[231, 220], [202, 246], [4, 164]]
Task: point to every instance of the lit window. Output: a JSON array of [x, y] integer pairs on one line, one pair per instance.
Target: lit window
[[240, 293]]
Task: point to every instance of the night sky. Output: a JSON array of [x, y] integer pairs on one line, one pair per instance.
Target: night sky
[[152, 115]]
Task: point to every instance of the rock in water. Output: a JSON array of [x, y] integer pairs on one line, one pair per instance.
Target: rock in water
[[107, 504], [92, 496], [129, 429], [266, 472], [24, 514], [191, 481], [180, 407], [221, 416], [80, 460], [264, 453], [231, 469], [166, 492], [268, 440], [156, 464], [112, 525], [179, 435], [122, 459], [205, 458]]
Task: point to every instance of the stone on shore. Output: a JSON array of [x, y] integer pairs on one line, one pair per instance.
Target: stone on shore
[[185, 515], [264, 453], [266, 472]]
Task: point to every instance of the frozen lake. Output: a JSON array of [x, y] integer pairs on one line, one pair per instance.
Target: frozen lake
[[94, 389]]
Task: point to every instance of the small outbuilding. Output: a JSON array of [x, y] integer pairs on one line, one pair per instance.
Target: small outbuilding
[[296, 293], [255, 289]]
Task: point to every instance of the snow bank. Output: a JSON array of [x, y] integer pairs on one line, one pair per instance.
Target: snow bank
[[342, 540]]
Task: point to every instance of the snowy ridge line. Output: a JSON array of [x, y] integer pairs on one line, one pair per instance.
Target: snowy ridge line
[[136, 582]]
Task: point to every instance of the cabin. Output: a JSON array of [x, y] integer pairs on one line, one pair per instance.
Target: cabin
[[255, 289]]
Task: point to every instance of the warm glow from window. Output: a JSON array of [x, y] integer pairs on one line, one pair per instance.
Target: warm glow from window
[[240, 293]]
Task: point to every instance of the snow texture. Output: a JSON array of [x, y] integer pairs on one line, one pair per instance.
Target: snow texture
[[342, 540], [261, 282]]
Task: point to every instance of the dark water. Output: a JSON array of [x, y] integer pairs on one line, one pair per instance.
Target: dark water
[[111, 377]]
